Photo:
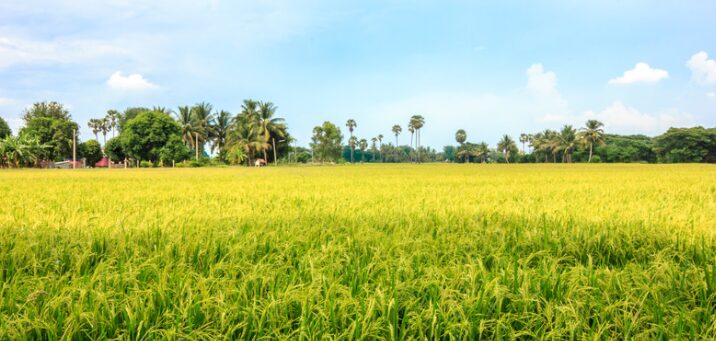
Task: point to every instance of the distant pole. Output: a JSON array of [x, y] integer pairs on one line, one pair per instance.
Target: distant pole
[[74, 148], [173, 165]]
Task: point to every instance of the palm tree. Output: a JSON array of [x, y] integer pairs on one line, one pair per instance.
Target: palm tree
[[104, 128], [568, 141], [112, 118], [396, 130], [245, 133], [202, 117], [188, 128], [380, 143], [363, 144], [352, 142], [506, 145], [592, 134], [94, 124], [461, 136], [270, 127], [418, 123], [482, 150], [411, 129], [351, 124], [219, 132], [524, 138], [373, 148]]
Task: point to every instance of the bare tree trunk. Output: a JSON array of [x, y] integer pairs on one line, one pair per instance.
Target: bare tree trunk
[[590, 152]]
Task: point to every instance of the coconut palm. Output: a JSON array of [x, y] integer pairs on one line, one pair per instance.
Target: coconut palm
[[362, 144], [481, 151], [411, 129], [568, 141], [202, 116], [188, 127], [591, 134], [351, 124], [396, 131], [506, 145], [219, 132], [270, 127]]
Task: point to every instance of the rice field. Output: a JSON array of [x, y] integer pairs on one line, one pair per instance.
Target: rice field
[[434, 251]]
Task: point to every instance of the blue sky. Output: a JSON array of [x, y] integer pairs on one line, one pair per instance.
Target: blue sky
[[490, 67]]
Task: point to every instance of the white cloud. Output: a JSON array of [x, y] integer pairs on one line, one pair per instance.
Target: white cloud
[[641, 73], [130, 82], [619, 118], [703, 69], [711, 94], [540, 81], [15, 50]]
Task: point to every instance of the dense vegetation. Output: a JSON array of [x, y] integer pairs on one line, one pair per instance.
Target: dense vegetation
[[160, 137], [380, 251]]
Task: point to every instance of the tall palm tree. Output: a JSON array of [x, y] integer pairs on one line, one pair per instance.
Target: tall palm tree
[[219, 132], [363, 144], [568, 141], [380, 146], [245, 132], [270, 127], [104, 128], [373, 148], [418, 123], [524, 138], [396, 130], [188, 126], [202, 116], [352, 143], [506, 145], [95, 124], [411, 129], [592, 134], [351, 124], [112, 119]]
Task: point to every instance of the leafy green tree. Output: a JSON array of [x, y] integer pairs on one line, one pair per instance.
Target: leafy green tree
[[91, 151], [21, 151], [326, 141], [460, 136], [592, 134], [4, 129], [450, 153], [696, 144], [51, 124], [174, 150], [144, 136], [114, 150], [128, 115]]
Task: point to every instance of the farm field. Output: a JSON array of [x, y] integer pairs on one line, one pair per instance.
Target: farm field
[[363, 251]]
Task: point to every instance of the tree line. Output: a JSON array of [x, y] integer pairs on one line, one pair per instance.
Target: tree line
[[190, 135], [149, 136]]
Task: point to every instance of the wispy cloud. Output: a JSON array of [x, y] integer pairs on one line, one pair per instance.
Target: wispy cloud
[[703, 69]]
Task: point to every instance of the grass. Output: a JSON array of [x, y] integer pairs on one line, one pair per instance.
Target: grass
[[369, 251]]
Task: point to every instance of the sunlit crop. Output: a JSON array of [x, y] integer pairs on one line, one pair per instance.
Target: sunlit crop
[[363, 251]]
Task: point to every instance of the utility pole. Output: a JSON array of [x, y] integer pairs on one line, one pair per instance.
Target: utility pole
[[74, 148]]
